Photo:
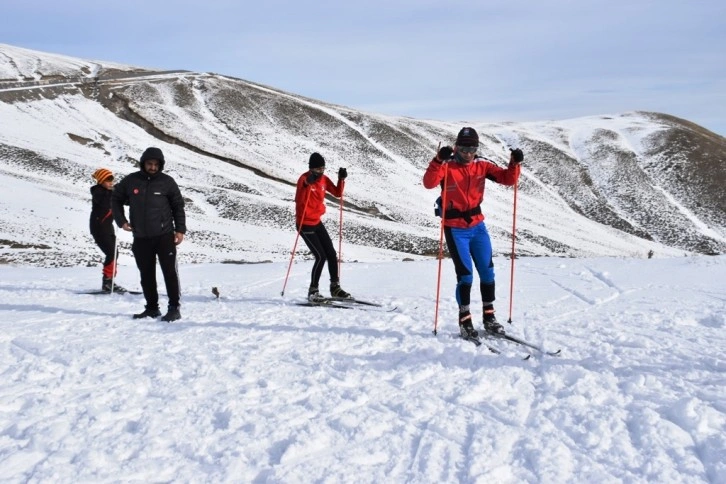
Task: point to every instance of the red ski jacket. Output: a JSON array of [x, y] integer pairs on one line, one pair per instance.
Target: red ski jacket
[[314, 195], [465, 187]]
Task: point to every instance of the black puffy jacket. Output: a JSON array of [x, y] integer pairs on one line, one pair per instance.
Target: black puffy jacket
[[156, 206], [101, 222]]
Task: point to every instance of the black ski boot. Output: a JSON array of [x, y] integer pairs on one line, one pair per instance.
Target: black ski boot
[[337, 292], [149, 312], [314, 295], [465, 327], [172, 314], [107, 283], [491, 325]]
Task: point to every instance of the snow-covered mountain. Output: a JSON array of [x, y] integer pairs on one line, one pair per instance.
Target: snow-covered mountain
[[619, 184]]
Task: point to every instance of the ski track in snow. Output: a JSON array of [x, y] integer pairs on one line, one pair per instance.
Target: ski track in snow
[[252, 388]]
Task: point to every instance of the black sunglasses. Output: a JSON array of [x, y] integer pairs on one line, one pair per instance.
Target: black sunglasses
[[467, 149]]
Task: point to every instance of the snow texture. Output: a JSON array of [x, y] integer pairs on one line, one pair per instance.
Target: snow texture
[[251, 387]]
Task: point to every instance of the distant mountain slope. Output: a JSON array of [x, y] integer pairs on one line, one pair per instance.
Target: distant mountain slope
[[602, 185]]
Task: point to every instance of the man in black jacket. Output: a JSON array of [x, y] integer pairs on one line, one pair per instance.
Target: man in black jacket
[[158, 223]]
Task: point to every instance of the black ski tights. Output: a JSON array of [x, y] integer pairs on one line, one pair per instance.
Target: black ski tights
[[317, 239]]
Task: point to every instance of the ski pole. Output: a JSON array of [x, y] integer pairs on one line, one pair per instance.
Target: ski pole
[[340, 237], [514, 237], [302, 218], [115, 262], [441, 245]]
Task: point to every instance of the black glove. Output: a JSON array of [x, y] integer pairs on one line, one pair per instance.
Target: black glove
[[342, 174], [313, 177], [517, 155], [445, 154]]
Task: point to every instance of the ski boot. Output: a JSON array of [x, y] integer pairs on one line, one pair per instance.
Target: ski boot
[[337, 292], [465, 327], [491, 325], [107, 284], [314, 295]]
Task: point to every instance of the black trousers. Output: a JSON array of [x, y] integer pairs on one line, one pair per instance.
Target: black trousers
[[107, 243], [146, 250], [318, 241]]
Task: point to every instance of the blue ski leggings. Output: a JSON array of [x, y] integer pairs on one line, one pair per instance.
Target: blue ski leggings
[[469, 245]]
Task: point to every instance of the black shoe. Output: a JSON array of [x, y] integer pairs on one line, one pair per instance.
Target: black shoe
[[490, 322], [337, 291], [148, 313], [465, 327], [172, 314]]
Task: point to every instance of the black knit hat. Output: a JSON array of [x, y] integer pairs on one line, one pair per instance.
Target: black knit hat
[[153, 154], [467, 137], [316, 161]]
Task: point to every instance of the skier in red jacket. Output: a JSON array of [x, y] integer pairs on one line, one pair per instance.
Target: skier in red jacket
[[309, 207], [466, 234]]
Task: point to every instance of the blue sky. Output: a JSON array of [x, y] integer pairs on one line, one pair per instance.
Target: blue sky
[[508, 60]]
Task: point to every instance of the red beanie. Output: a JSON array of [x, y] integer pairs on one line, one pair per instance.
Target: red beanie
[[101, 175]]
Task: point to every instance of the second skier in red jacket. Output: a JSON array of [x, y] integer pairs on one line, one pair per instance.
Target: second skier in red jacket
[[309, 208]]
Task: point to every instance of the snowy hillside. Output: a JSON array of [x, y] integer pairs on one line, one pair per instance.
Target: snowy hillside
[[253, 388], [590, 186], [20, 64]]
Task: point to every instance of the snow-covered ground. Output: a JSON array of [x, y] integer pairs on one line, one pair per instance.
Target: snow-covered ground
[[253, 388]]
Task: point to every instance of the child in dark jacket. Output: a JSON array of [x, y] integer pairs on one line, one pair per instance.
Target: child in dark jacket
[[101, 225]]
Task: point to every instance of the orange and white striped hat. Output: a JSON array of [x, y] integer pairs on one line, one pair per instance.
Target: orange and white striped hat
[[101, 175]]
